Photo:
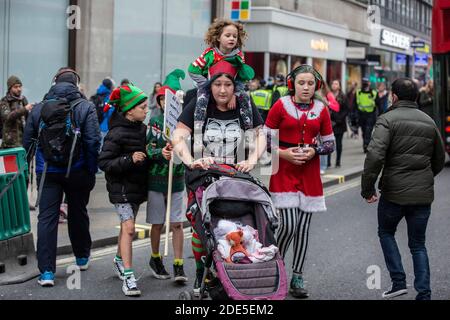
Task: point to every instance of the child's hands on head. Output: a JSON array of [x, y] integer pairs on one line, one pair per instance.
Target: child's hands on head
[[232, 104]]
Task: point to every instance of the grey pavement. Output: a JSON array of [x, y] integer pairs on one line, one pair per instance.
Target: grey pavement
[[343, 245], [105, 223]]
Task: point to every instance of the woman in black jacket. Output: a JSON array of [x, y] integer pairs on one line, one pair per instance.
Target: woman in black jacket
[[338, 120], [124, 160]]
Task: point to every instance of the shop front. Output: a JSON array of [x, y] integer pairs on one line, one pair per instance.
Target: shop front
[[390, 56], [278, 44]]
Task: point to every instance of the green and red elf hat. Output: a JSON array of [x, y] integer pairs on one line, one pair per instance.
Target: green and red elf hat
[[172, 83], [126, 97]]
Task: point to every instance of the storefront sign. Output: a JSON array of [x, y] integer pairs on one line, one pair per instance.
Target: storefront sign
[[394, 39], [417, 44], [320, 45], [240, 10], [400, 59], [421, 59], [356, 53], [373, 59], [425, 49]]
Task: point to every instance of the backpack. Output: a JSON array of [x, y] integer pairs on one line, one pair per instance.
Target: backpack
[[59, 135], [98, 101]]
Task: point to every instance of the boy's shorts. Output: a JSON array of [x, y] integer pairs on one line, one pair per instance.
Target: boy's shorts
[[126, 211], [156, 207]]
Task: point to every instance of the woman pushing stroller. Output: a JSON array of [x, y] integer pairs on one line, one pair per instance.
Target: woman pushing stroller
[[216, 134]]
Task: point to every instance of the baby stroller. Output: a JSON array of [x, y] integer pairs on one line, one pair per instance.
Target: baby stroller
[[222, 192]]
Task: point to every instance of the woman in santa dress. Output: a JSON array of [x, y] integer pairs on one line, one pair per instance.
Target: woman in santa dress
[[296, 188]]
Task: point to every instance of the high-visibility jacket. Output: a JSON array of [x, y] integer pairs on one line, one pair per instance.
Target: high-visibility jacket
[[282, 90], [262, 99], [366, 100]]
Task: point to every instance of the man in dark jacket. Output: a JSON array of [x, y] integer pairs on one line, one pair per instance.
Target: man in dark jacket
[[14, 109], [407, 145], [76, 187]]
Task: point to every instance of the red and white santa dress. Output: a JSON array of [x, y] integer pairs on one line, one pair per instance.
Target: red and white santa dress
[[299, 186]]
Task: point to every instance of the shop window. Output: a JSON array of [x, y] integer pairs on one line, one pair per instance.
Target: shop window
[[334, 71], [278, 64]]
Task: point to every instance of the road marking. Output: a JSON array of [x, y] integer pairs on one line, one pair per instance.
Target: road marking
[[141, 243], [340, 178], [341, 188], [103, 252]]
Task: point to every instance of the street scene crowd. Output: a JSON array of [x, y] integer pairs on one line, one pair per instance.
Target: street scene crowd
[[119, 132]]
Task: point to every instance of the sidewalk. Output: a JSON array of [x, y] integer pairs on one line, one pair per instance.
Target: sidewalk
[[105, 223]]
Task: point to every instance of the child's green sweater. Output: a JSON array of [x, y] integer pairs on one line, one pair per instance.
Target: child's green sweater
[[159, 167]]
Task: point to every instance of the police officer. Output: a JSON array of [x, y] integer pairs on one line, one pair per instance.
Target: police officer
[[280, 89], [365, 100], [262, 98]]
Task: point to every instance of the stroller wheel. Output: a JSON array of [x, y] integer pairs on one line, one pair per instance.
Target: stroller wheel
[[185, 295]]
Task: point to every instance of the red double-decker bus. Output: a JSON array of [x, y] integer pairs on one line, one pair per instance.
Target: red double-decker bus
[[441, 67]]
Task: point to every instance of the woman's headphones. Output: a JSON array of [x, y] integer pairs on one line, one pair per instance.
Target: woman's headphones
[[304, 68]]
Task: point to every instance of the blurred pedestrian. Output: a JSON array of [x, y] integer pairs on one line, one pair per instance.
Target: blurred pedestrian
[[426, 98], [407, 146], [382, 100], [14, 109], [99, 100], [367, 114], [338, 120], [353, 109], [152, 106]]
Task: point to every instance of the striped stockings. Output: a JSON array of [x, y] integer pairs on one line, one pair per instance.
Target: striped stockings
[[294, 225]]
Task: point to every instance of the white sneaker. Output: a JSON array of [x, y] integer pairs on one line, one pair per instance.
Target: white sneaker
[[119, 268], [129, 286]]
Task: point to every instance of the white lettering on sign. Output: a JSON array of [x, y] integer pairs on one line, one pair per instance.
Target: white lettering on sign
[[172, 111], [394, 39], [320, 45]]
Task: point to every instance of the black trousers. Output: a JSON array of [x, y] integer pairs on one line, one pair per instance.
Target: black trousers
[[367, 122], [77, 189], [339, 137]]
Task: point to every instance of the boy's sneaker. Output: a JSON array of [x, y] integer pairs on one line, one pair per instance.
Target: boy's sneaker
[[47, 279], [297, 287], [82, 263], [394, 292], [129, 286], [158, 270], [119, 268], [180, 276]]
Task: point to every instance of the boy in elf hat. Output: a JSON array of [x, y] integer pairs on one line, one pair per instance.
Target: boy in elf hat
[[224, 38], [159, 152], [124, 161]]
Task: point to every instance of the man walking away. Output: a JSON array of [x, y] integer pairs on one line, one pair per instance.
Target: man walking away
[[407, 146]]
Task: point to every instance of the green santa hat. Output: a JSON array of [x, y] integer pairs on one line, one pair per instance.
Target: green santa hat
[[125, 98], [172, 82]]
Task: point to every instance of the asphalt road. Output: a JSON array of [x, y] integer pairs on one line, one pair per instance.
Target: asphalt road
[[343, 245]]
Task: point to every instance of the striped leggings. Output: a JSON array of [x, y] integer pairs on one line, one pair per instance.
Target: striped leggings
[[294, 225]]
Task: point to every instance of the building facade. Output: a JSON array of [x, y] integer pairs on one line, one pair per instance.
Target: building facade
[[144, 40]]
